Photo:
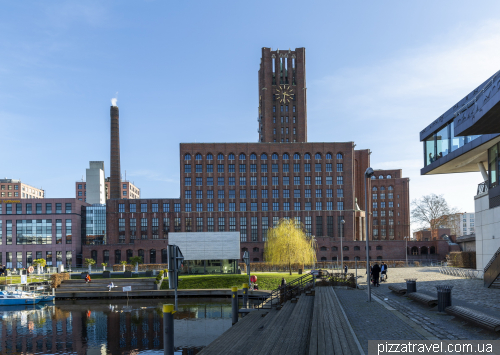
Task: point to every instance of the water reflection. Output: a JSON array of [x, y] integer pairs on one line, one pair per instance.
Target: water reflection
[[110, 327]]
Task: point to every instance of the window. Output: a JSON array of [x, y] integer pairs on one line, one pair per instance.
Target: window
[[374, 205], [276, 193], [166, 207], [296, 206], [177, 207], [243, 168], [253, 168], [296, 193], [210, 194], [308, 225], [307, 193], [340, 180], [210, 181], [243, 156], [308, 206], [307, 180], [243, 206], [382, 204], [187, 194], [198, 156], [265, 206], [318, 180], [340, 167], [307, 168], [374, 196], [210, 168], [296, 168], [340, 205], [319, 206], [294, 108], [121, 207], [286, 180], [391, 204], [286, 206], [187, 157], [276, 206], [221, 206], [187, 168], [187, 181], [177, 224], [68, 208], [319, 226], [243, 180], [329, 205], [243, 229], [319, 193]]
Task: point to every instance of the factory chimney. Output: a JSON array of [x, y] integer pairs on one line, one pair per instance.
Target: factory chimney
[[115, 178]]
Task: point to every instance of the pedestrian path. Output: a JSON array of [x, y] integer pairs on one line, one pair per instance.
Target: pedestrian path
[[373, 321]]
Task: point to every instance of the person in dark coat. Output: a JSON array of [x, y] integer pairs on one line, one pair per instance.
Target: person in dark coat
[[345, 270], [375, 274]]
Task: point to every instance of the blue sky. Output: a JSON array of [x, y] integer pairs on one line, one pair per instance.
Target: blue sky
[[377, 73]]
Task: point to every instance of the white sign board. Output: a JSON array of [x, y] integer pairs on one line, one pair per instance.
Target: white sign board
[[24, 279], [207, 245], [127, 288]]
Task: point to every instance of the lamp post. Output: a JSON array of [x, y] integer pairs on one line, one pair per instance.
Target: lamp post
[[341, 248], [312, 246], [246, 259], [406, 251], [368, 174]]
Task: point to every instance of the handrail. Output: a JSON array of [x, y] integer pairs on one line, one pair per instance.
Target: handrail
[[281, 294], [492, 269]]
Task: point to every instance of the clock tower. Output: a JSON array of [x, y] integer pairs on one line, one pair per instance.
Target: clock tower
[[282, 96]]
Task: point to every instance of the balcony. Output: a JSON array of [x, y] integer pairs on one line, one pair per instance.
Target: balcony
[[482, 188]]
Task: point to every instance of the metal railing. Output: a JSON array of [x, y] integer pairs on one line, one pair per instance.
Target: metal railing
[[492, 269], [482, 187], [465, 273]]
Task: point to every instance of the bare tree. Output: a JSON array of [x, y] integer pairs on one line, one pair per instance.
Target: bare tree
[[432, 211]]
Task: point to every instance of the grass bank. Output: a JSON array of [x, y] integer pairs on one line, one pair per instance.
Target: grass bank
[[265, 280]]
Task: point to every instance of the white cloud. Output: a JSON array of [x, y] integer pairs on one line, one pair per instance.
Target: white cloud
[[395, 99]]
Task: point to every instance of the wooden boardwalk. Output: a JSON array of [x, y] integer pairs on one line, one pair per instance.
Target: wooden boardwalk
[[313, 325]]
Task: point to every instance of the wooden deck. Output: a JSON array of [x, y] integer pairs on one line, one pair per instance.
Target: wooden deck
[[313, 325]]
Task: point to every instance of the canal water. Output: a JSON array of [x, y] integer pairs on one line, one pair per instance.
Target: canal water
[[111, 326]]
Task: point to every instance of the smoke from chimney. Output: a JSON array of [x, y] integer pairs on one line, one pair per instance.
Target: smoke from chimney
[[113, 101]]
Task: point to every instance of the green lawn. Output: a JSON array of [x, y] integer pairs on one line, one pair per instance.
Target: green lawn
[[265, 280], [17, 279], [115, 276]]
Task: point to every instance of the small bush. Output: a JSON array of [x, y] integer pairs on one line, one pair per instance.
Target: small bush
[[463, 259], [57, 279]]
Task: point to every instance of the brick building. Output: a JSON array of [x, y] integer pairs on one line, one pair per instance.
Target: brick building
[[248, 187], [390, 205], [18, 189], [31, 229], [129, 190]]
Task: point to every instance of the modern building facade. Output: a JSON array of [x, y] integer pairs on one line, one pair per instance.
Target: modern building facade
[[390, 205], [15, 188], [31, 229], [465, 139]]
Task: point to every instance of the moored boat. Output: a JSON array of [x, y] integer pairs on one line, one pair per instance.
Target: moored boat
[[9, 298]]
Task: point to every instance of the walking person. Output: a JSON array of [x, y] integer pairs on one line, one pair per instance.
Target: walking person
[[345, 270], [383, 272], [87, 279], [376, 274]]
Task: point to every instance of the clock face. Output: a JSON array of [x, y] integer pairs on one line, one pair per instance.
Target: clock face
[[285, 93]]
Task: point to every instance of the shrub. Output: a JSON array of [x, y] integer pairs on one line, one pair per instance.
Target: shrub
[[57, 279], [463, 259]]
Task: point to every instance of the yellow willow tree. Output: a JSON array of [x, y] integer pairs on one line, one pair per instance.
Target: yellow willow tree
[[287, 244]]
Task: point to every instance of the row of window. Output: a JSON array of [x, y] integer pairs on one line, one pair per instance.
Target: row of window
[[380, 177], [346, 248], [382, 222], [242, 168], [382, 213], [382, 188], [264, 206], [36, 231], [242, 181], [283, 130], [284, 119], [284, 108], [192, 224], [15, 259], [263, 156], [38, 208], [382, 196], [382, 204], [264, 193]]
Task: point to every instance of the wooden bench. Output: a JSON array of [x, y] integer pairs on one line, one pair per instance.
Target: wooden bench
[[473, 316], [423, 298], [398, 289]]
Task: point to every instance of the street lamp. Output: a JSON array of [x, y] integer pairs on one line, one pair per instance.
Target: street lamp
[[341, 248], [406, 250], [246, 260], [368, 174]]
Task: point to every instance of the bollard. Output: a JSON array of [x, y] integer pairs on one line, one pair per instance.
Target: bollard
[[411, 285], [168, 329], [53, 292], [245, 295], [234, 304], [444, 297]]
